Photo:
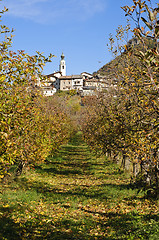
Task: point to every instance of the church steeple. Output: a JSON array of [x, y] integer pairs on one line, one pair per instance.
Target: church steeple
[[63, 65]]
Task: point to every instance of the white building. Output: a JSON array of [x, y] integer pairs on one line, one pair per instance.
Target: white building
[[85, 82], [77, 82], [49, 91], [63, 82], [86, 75]]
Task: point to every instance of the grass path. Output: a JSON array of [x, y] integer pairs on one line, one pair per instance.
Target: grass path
[[75, 195]]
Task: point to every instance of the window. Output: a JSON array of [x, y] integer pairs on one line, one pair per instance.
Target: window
[[63, 67], [69, 82]]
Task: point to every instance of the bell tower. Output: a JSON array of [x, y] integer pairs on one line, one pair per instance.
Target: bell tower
[[63, 65]]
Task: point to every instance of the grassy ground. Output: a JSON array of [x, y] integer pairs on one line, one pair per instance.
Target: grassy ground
[[75, 196]]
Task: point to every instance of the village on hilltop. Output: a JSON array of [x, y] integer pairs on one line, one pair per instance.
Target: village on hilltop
[[85, 84]]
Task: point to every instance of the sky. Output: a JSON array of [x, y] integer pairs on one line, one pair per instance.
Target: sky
[[78, 28]]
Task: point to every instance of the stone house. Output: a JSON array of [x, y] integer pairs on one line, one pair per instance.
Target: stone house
[[71, 82], [85, 82], [65, 83]]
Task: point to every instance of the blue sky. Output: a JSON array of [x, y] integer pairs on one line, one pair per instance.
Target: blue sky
[[79, 28]]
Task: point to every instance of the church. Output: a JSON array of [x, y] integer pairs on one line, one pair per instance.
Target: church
[[60, 81], [85, 84]]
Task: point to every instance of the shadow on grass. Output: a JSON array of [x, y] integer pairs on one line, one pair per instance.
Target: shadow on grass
[[32, 229], [76, 139], [113, 226], [64, 229], [62, 171], [8, 228], [73, 190], [128, 225], [67, 169]]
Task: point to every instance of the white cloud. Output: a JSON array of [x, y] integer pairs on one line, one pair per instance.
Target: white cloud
[[50, 11], [24, 8]]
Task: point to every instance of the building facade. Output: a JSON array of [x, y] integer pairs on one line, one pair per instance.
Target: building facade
[[84, 83]]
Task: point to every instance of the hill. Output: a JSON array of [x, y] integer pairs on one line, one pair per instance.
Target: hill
[[113, 67]]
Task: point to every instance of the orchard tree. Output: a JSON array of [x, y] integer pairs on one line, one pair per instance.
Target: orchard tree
[[146, 113], [29, 130], [128, 123]]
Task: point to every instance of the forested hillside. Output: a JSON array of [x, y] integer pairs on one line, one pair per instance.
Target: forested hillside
[[119, 62]]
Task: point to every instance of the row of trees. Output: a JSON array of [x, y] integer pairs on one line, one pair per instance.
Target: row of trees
[[31, 127], [125, 121]]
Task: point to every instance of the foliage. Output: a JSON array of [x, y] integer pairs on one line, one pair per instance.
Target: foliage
[[30, 129], [71, 92], [125, 122]]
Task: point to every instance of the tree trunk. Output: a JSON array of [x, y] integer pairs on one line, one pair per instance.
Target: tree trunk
[[20, 168], [123, 160], [134, 169]]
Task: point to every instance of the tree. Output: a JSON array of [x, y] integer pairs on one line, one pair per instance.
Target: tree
[[127, 122], [30, 130]]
